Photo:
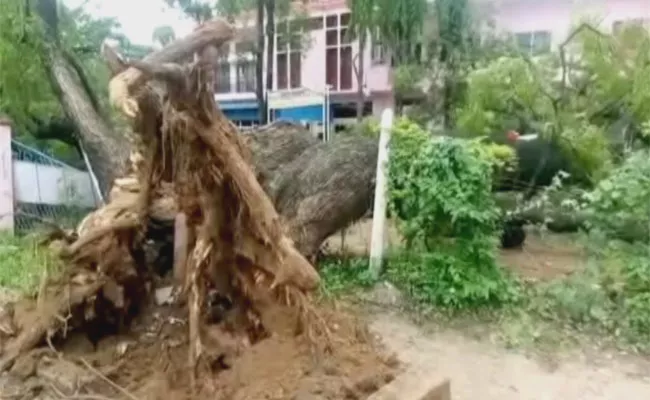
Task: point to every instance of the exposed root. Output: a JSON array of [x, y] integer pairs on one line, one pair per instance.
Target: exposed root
[[239, 274]]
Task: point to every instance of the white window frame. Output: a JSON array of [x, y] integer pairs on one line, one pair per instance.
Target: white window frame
[[530, 48], [378, 51], [339, 46], [288, 50]]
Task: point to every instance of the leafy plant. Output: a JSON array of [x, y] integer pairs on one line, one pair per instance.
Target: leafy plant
[[620, 203], [440, 190], [341, 276]]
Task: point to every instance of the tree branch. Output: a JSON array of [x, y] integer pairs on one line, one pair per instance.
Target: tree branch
[[214, 33]]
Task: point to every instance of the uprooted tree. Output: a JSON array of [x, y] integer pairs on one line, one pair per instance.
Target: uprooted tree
[[317, 188], [187, 157]]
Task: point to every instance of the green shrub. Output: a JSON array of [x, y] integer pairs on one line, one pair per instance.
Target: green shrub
[[619, 204], [440, 190]]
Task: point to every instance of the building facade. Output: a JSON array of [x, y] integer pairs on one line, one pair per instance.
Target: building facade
[[315, 81], [540, 26]]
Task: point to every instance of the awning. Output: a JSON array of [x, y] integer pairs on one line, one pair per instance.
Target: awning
[[240, 110], [236, 105], [304, 113]]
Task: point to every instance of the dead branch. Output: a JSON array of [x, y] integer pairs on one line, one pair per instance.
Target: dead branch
[[115, 62], [123, 85]]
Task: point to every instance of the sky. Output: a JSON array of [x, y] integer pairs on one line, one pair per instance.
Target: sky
[[138, 18]]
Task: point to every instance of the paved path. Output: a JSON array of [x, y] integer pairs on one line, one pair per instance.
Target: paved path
[[484, 371]]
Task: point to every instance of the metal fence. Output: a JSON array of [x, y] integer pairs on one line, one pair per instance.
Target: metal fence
[[47, 190]]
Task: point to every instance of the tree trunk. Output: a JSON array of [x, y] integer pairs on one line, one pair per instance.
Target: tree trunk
[[259, 65], [105, 147], [360, 76], [101, 143], [270, 37], [318, 187]]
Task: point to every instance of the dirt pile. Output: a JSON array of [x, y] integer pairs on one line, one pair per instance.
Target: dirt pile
[[247, 327]]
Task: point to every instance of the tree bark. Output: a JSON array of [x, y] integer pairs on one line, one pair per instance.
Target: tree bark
[[361, 98], [95, 134], [259, 63], [270, 49]]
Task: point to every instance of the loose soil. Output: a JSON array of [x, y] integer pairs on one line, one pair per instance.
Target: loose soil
[[481, 370], [151, 362]]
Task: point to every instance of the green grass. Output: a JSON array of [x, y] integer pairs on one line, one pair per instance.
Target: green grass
[[22, 262], [606, 305], [342, 276]]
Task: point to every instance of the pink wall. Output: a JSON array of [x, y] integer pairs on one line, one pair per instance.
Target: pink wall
[[558, 16], [377, 77], [6, 178]]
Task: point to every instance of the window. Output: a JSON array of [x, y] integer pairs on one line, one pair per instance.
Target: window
[[288, 59], [533, 43], [246, 77], [378, 50], [222, 79], [338, 52]]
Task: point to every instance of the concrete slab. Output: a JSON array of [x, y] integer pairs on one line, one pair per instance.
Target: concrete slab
[[414, 385]]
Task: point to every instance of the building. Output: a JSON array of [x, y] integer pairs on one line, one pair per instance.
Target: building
[[539, 26], [314, 82]]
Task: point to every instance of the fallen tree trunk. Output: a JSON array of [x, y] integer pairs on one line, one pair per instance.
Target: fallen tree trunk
[[563, 219]]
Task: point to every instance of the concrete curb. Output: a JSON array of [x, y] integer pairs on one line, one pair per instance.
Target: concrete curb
[[414, 385]]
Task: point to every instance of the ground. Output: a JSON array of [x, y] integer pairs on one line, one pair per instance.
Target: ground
[[481, 361], [544, 255], [479, 369], [475, 358]]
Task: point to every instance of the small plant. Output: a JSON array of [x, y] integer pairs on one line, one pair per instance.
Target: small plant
[[341, 276], [619, 204], [440, 190], [23, 262]]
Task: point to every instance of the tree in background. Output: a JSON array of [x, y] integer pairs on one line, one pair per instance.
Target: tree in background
[[48, 55], [362, 22], [164, 35]]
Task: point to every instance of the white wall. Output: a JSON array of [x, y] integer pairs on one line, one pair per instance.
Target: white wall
[[46, 184]]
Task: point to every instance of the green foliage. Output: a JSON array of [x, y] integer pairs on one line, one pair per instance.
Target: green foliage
[[610, 296], [620, 202], [341, 276], [164, 35], [368, 127], [24, 88], [575, 104], [26, 94], [440, 189], [23, 262]]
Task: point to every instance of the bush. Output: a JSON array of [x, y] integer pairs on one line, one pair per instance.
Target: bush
[[619, 204], [440, 190]]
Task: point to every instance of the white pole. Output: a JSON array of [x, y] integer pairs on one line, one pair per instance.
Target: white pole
[[379, 209], [93, 177], [324, 111]]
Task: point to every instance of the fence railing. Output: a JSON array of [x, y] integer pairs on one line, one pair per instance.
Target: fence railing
[[48, 190]]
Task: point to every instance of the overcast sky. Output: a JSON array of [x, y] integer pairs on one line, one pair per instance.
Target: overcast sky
[[138, 17]]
